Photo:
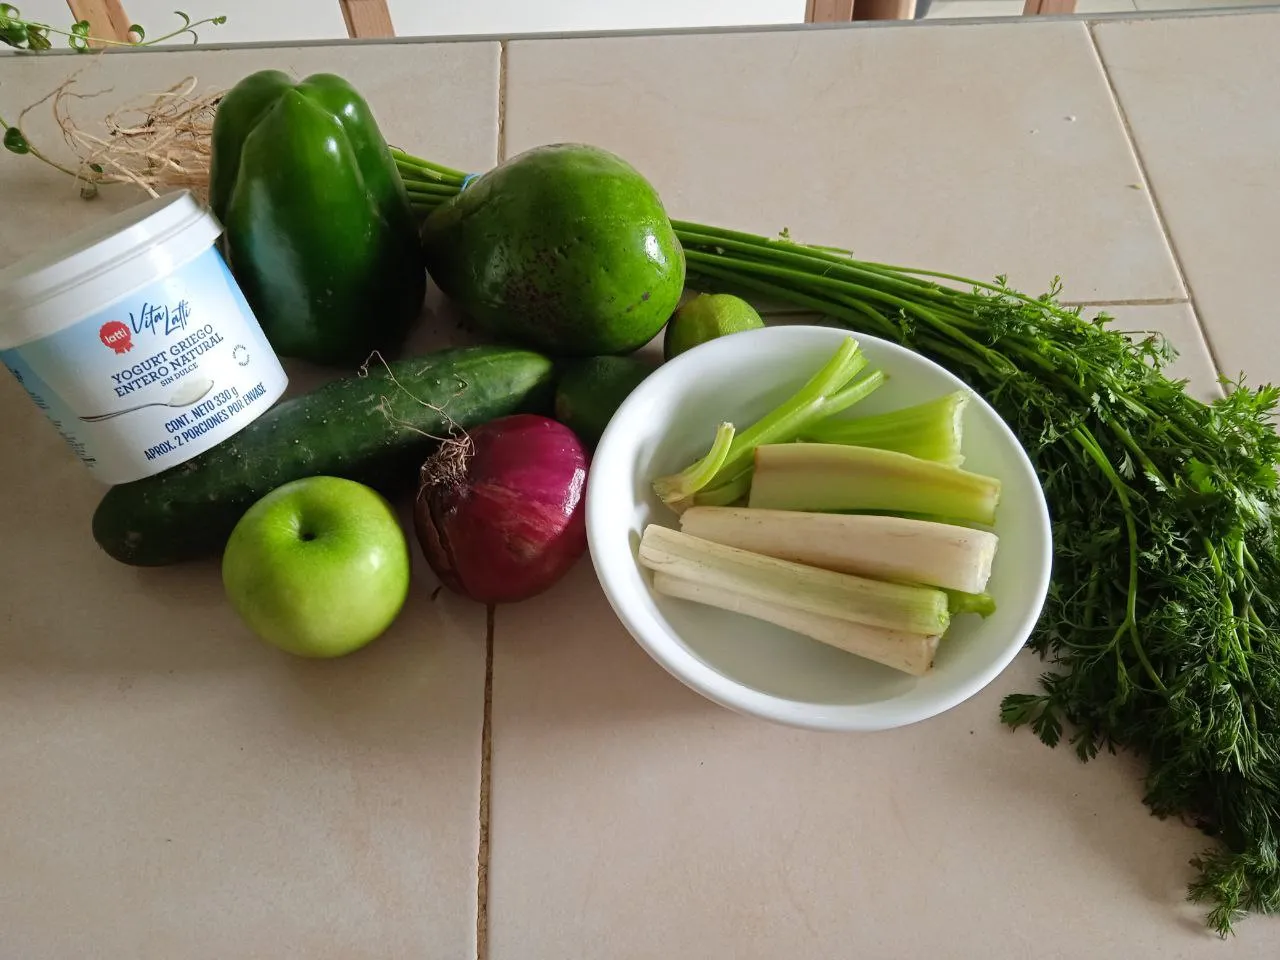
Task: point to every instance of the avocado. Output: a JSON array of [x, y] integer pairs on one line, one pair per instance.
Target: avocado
[[591, 391], [565, 247]]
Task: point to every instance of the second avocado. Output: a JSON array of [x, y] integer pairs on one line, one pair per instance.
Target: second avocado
[[566, 248]]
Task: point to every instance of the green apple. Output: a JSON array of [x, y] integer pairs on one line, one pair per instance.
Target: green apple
[[318, 567]]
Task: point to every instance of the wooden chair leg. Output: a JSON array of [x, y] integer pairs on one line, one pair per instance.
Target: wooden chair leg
[[367, 18], [1048, 7], [884, 9], [828, 11], [107, 18]]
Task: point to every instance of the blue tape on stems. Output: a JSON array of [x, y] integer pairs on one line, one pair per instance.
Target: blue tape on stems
[[466, 181]]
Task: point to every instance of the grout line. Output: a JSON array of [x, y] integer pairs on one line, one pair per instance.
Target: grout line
[[502, 102], [486, 756], [1155, 200], [1137, 302]]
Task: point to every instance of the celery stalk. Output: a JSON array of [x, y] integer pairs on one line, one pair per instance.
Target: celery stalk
[[931, 431], [727, 493], [847, 396], [884, 548], [782, 424], [735, 489], [823, 477], [909, 653], [827, 392], [678, 489], [893, 606]]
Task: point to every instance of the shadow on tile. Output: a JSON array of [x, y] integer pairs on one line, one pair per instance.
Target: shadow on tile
[[578, 702], [1099, 802], [78, 624], [759, 837], [564, 659]]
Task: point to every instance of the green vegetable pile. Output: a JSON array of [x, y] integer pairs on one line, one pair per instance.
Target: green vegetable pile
[[1162, 622]]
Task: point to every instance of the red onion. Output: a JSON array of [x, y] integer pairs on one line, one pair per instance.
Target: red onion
[[500, 514]]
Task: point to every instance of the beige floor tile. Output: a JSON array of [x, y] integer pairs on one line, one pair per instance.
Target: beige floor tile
[[171, 787], [1202, 96], [632, 819], [891, 141]]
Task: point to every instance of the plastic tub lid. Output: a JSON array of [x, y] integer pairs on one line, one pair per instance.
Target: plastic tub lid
[[92, 268]]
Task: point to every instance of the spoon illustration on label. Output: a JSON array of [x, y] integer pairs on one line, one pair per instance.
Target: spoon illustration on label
[[191, 390]]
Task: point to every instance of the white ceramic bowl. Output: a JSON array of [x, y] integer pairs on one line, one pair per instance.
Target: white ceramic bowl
[[755, 667]]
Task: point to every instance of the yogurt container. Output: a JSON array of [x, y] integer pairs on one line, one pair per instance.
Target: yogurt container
[[135, 340]]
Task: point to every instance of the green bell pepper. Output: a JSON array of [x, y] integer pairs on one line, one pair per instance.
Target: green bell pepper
[[319, 233]]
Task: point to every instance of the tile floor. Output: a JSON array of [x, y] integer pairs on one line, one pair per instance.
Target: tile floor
[[631, 818], [1212, 125]]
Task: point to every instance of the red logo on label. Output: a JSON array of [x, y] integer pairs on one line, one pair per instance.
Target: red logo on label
[[116, 335]]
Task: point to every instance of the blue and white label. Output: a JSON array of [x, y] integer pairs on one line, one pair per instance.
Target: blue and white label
[[156, 378]]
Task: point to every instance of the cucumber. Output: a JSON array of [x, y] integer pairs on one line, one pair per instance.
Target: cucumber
[[340, 430]]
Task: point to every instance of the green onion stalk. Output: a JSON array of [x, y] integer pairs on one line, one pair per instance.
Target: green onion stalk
[[1163, 618]]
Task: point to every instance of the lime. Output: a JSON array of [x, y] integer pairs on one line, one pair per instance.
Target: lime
[[591, 391], [705, 317]]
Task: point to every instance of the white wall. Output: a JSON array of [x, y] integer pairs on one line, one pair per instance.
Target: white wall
[[445, 17], [275, 20], [247, 20], [285, 20], [56, 13]]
